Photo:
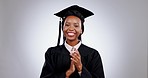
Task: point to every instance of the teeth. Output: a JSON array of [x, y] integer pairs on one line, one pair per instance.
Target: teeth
[[70, 34]]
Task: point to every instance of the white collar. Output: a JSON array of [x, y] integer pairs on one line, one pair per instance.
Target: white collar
[[69, 48]]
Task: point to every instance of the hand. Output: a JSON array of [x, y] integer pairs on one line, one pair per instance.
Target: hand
[[76, 58], [70, 70]]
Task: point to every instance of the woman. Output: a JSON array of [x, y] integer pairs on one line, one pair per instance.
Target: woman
[[72, 59]]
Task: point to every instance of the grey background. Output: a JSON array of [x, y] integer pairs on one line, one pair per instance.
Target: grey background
[[118, 30]]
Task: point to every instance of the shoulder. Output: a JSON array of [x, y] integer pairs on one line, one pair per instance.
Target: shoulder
[[88, 50], [87, 47], [54, 49]]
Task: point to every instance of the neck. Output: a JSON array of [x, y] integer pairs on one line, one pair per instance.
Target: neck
[[72, 43]]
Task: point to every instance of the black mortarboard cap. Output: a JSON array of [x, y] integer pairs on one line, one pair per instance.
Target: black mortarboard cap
[[74, 10]]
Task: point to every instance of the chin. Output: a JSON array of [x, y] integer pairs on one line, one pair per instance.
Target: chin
[[71, 38]]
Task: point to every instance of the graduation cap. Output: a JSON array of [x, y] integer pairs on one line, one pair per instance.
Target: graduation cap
[[74, 10]]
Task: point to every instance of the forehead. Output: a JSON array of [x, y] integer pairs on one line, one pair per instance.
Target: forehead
[[72, 18]]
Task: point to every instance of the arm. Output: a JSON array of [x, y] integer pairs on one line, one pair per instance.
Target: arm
[[48, 68], [70, 70], [95, 67]]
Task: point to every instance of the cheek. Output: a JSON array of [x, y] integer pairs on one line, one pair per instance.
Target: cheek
[[65, 27], [64, 31], [79, 30]]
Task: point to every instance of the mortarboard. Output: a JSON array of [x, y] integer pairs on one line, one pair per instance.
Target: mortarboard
[[74, 10]]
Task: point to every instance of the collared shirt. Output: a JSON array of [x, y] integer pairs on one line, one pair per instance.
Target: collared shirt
[[71, 49]]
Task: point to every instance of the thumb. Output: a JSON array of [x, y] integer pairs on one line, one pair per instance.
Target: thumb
[[72, 63], [72, 66]]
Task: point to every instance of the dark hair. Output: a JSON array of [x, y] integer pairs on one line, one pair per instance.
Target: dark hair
[[82, 27]]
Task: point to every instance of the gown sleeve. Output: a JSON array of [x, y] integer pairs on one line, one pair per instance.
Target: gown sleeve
[[48, 70], [95, 67]]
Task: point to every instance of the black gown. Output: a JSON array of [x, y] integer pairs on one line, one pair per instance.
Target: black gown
[[57, 62]]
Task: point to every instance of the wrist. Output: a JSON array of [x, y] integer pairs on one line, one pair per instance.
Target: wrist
[[80, 68], [68, 73]]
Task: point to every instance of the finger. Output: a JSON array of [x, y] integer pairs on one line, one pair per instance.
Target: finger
[[77, 64], [72, 63], [75, 56], [78, 53], [72, 66], [76, 60], [73, 60]]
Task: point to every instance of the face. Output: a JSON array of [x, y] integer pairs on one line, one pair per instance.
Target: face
[[72, 28]]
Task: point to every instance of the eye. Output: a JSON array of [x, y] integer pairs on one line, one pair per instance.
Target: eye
[[76, 25], [67, 25]]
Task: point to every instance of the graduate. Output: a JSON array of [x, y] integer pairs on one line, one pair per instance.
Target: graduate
[[72, 59]]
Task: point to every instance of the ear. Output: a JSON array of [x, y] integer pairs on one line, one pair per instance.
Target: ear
[[81, 31]]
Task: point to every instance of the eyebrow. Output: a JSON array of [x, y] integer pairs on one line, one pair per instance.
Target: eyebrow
[[69, 22]]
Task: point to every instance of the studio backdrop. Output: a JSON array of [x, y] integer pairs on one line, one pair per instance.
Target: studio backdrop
[[118, 30]]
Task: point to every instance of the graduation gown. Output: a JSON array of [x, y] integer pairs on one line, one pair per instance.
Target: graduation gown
[[57, 62]]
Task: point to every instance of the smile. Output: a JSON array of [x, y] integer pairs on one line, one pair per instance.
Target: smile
[[71, 34]]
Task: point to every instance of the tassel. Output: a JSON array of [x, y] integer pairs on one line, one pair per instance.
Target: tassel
[[59, 37]]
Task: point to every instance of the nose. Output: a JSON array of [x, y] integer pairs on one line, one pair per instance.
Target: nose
[[71, 28]]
